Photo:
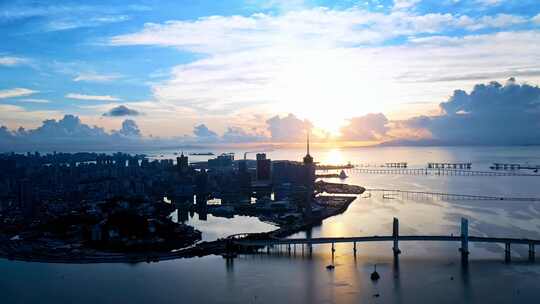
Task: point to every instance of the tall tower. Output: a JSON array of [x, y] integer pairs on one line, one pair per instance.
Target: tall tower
[[309, 179], [308, 159]]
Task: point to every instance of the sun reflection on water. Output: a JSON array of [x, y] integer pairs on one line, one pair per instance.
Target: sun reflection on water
[[333, 157]]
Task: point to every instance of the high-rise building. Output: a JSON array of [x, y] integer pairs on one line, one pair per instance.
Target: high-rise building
[[182, 163], [263, 167]]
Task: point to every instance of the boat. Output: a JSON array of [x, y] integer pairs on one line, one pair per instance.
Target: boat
[[330, 267], [375, 275], [342, 175]]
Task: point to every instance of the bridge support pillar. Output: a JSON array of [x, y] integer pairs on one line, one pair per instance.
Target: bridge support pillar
[[464, 240], [532, 254], [268, 249], [507, 253], [395, 235], [310, 248], [333, 248], [354, 248], [289, 249]]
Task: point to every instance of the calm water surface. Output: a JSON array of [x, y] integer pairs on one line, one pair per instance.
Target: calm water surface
[[425, 272]]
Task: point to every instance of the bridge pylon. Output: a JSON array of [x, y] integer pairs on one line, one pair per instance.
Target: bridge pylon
[[464, 239], [395, 235]]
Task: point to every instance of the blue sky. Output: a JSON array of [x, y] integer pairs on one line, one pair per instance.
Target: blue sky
[[232, 65]]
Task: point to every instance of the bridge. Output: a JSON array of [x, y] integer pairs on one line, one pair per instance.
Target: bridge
[[244, 240], [394, 193]]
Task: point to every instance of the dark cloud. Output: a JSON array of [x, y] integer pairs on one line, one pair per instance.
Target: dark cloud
[[491, 114], [368, 127], [129, 129], [202, 131], [69, 133], [121, 110], [288, 128]]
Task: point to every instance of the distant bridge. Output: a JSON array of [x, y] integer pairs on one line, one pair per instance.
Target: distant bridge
[[436, 172], [393, 193], [244, 240]]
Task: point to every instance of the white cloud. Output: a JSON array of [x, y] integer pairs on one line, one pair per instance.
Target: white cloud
[[16, 92], [497, 21], [302, 61], [68, 23], [489, 2], [35, 100], [11, 61], [318, 27], [536, 19], [92, 97], [404, 4], [93, 77]]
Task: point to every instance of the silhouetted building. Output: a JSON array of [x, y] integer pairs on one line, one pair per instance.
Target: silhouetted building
[[222, 162], [244, 178], [182, 163], [25, 197], [263, 167]]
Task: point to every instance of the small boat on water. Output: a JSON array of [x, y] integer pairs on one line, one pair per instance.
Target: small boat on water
[[342, 175], [375, 275], [330, 267]]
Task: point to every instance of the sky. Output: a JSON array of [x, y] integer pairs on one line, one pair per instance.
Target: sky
[[402, 71]]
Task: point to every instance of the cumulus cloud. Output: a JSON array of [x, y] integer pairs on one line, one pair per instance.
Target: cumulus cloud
[[121, 110], [129, 129], [16, 92], [92, 97], [69, 133], [287, 129], [369, 127], [240, 135], [536, 19], [202, 131], [491, 114]]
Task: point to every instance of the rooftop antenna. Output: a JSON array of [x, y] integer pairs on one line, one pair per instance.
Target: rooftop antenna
[[308, 142]]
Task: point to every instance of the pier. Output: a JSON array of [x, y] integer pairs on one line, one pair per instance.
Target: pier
[[396, 165], [449, 166], [436, 172], [406, 194], [246, 241]]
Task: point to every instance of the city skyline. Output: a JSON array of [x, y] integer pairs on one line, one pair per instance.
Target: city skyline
[[403, 72]]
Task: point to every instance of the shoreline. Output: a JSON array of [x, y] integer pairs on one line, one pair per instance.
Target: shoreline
[[216, 247]]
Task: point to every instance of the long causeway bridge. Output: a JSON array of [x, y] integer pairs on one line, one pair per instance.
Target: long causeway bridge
[[247, 241], [406, 194]]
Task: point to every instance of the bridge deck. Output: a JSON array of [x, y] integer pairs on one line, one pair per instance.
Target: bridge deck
[[362, 239]]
